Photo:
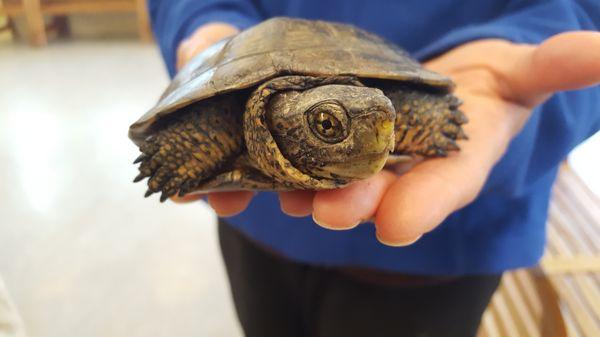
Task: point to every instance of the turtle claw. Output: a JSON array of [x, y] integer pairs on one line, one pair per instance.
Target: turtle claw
[[452, 146], [148, 193], [140, 158], [139, 177], [164, 196]]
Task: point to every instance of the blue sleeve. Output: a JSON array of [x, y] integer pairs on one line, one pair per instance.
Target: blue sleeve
[[174, 20], [562, 122], [523, 22]]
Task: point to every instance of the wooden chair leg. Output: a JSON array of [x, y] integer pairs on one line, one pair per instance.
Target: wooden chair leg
[[553, 323], [36, 28], [143, 20], [11, 27], [60, 25]]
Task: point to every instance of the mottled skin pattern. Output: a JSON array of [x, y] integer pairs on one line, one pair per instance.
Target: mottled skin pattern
[[293, 104], [427, 122], [195, 145], [321, 129], [266, 149], [276, 145]]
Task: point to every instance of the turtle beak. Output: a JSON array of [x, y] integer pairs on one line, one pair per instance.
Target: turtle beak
[[373, 137]]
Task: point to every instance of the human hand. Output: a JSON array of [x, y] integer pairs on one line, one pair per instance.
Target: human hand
[[500, 83], [202, 38]]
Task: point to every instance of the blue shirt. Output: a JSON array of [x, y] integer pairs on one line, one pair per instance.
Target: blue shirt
[[505, 227]]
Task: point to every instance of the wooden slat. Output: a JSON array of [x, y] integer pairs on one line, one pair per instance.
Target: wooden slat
[[557, 243], [92, 6], [573, 218], [525, 319], [36, 28], [583, 195], [143, 21], [583, 318], [14, 8], [10, 8], [573, 192], [572, 328], [571, 264], [524, 305], [573, 254], [528, 291], [568, 227], [590, 293], [488, 326]]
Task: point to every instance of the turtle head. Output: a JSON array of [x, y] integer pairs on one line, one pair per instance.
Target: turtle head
[[336, 132]]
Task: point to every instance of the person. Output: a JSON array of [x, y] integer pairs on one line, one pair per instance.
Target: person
[[422, 252]]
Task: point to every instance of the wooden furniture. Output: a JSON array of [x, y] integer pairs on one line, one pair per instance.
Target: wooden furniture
[[525, 305], [562, 296], [35, 10], [572, 260]]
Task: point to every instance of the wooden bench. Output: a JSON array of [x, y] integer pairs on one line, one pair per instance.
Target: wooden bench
[[572, 260], [35, 10], [525, 305], [562, 296]]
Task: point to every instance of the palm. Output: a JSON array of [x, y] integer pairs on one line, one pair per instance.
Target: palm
[[499, 83]]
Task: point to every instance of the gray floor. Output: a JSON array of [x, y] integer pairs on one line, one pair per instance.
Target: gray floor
[[83, 253]]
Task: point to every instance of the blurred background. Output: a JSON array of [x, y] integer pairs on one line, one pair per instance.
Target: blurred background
[[84, 254], [81, 251]]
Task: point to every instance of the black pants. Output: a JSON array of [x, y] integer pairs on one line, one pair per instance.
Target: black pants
[[275, 297]]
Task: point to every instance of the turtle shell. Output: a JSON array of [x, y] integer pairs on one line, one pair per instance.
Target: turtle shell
[[284, 46]]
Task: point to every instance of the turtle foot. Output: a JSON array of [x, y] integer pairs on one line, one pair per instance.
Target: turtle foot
[[188, 151], [427, 124]]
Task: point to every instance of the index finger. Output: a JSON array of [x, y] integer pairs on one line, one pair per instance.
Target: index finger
[[421, 199]]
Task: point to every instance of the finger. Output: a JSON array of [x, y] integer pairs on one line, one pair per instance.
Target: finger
[[421, 199], [190, 48], [181, 54], [187, 198], [201, 39], [229, 203], [566, 61], [347, 207], [296, 203]]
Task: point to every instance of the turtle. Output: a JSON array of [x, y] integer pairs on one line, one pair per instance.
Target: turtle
[[294, 104]]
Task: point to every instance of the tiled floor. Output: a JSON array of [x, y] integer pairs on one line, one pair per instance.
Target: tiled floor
[[83, 253]]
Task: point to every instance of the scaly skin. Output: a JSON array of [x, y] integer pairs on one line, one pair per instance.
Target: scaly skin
[[292, 154], [192, 147], [427, 123]]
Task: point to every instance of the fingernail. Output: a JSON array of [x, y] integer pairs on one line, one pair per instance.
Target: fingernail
[[372, 219], [324, 225], [398, 243], [295, 215]]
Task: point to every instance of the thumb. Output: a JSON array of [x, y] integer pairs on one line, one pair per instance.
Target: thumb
[[566, 61]]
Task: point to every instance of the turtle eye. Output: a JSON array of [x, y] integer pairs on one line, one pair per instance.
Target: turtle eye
[[328, 122]]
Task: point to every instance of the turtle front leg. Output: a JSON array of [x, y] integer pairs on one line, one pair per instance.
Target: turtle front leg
[[191, 148], [427, 123]]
